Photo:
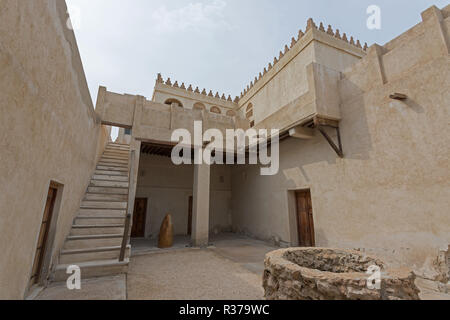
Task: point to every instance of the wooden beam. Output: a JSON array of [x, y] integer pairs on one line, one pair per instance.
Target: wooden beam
[[398, 96], [326, 122]]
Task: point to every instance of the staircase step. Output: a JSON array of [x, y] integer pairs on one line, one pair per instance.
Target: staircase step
[[85, 230], [97, 233], [116, 157], [92, 269], [120, 152], [109, 160], [106, 190], [113, 165], [103, 205], [109, 184], [115, 148], [111, 173], [125, 146], [116, 169], [117, 151], [105, 197], [93, 241], [122, 155], [110, 178], [92, 220], [116, 144], [99, 213], [86, 255]]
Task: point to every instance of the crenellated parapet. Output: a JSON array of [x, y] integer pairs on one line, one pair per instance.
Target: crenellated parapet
[[190, 88], [311, 27]]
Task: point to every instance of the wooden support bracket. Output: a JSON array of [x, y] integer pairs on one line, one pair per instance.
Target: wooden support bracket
[[337, 148]]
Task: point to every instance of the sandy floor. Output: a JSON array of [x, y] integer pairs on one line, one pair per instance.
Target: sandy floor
[[191, 275], [230, 269], [431, 290], [106, 288]]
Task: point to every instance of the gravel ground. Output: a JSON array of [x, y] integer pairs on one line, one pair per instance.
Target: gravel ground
[[105, 288], [191, 274]]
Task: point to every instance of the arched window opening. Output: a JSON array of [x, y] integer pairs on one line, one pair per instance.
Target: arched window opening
[[199, 106], [231, 113], [215, 110], [174, 101]]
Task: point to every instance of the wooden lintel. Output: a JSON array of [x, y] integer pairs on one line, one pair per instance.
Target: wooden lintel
[[398, 96], [326, 122], [118, 125]]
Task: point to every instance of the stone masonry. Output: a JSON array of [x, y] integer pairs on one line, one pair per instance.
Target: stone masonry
[[327, 274]]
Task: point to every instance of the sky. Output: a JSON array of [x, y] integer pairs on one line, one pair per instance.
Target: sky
[[220, 45]]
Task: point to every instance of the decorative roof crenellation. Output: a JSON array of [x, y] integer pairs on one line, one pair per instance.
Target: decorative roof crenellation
[[168, 82], [309, 25]]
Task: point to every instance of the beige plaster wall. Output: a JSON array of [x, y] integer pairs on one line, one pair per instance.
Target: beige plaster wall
[[115, 109], [391, 193], [153, 121], [168, 188], [163, 92], [288, 79], [48, 132]]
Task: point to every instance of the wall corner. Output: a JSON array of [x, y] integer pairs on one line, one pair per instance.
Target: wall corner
[[100, 105], [432, 13]]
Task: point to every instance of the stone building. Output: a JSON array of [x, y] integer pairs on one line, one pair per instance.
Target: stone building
[[364, 152]]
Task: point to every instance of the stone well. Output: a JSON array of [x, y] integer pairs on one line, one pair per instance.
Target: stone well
[[332, 274]]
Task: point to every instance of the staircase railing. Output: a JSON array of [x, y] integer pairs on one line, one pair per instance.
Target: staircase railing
[[130, 206]]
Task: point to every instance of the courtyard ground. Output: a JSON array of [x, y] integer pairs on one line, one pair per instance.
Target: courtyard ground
[[231, 268]]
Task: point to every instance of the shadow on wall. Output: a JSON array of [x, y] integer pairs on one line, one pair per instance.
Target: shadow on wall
[[355, 136], [414, 106]]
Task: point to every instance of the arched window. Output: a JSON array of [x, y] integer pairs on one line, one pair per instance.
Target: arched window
[[215, 110], [199, 106], [249, 107], [174, 101], [231, 113]]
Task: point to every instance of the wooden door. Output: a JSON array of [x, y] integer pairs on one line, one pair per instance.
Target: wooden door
[[191, 201], [43, 237], [139, 218], [305, 219]]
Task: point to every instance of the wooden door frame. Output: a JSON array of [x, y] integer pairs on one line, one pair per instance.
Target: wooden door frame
[[145, 215], [47, 256]]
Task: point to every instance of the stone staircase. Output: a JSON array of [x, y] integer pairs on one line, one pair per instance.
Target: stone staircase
[[96, 236]]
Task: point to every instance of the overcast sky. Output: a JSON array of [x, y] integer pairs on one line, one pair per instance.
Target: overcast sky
[[214, 44]]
